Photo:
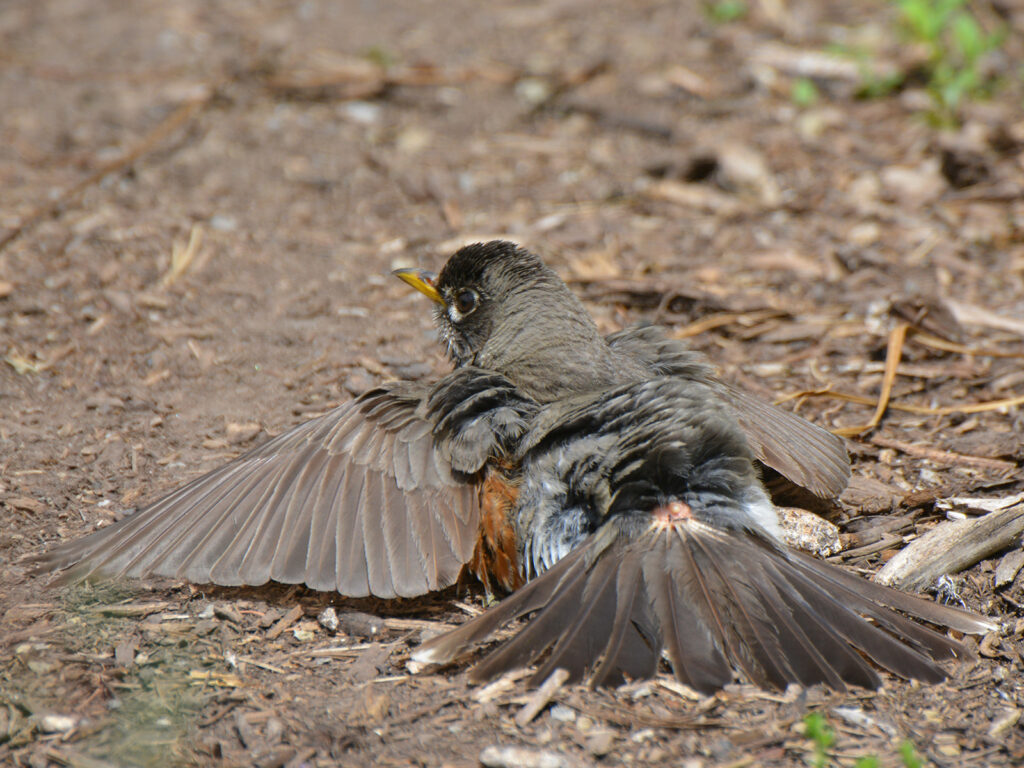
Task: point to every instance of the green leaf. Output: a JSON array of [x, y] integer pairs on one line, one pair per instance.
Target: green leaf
[[909, 755], [803, 92], [723, 11]]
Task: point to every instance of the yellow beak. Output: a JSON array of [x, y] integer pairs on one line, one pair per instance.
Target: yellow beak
[[421, 280]]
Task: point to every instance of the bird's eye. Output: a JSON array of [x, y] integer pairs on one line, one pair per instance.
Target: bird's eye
[[466, 301]]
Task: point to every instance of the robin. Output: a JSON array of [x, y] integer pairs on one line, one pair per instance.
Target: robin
[[610, 484]]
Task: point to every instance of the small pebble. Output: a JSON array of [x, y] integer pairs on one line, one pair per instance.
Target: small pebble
[[600, 743], [362, 112], [56, 723], [223, 223], [328, 619], [562, 714], [521, 757]]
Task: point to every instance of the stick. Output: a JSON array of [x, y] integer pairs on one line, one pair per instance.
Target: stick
[[952, 547]]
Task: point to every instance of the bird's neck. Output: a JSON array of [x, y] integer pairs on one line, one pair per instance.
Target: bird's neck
[[554, 353]]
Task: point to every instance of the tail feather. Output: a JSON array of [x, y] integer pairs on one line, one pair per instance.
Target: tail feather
[[690, 643], [532, 597], [835, 621], [927, 610], [541, 632], [714, 601], [819, 656], [740, 622], [883, 648], [903, 645], [628, 651], [590, 630]]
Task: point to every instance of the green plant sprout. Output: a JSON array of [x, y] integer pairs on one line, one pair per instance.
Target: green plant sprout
[[723, 11], [823, 739], [956, 46], [803, 92]]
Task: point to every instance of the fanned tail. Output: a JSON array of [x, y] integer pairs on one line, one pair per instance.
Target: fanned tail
[[714, 601]]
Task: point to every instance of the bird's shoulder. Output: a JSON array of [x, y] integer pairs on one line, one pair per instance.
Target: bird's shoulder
[[652, 347]]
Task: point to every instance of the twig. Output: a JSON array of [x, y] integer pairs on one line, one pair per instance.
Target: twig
[[952, 547], [945, 457], [284, 622], [991, 405], [722, 319], [632, 718], [893, 353], [418, 713], [951, 346]]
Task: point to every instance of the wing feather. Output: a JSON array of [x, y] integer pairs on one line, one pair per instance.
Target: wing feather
[[324, 504]]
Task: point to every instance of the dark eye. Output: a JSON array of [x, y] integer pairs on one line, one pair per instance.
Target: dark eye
[[466, 301]]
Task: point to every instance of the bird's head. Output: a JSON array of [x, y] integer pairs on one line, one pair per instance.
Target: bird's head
[[500, 307]]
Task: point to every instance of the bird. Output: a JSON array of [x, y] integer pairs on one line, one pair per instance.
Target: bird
[[610, 486]]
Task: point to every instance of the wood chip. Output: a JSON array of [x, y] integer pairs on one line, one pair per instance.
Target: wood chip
[[26, 504], [971, 314], [284, 622], [370, 707], [127, 610], [69, 757], [502, 685], [171, 334], [215, 679], [1003, 723], [540, 698], [124, 653], [686, 79], [945, 457], [1009, 567], [246, 733], [229, 613], [802, 62], [696, 196], [952, 547], [989, 646]]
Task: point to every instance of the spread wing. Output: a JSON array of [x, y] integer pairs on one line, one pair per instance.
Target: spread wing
[[805, 453], [359, 500]]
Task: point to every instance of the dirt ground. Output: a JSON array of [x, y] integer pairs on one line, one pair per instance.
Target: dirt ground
[[199, 205]]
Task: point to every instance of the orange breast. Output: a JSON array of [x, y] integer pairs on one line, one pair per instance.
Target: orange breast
[[495, 561]]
